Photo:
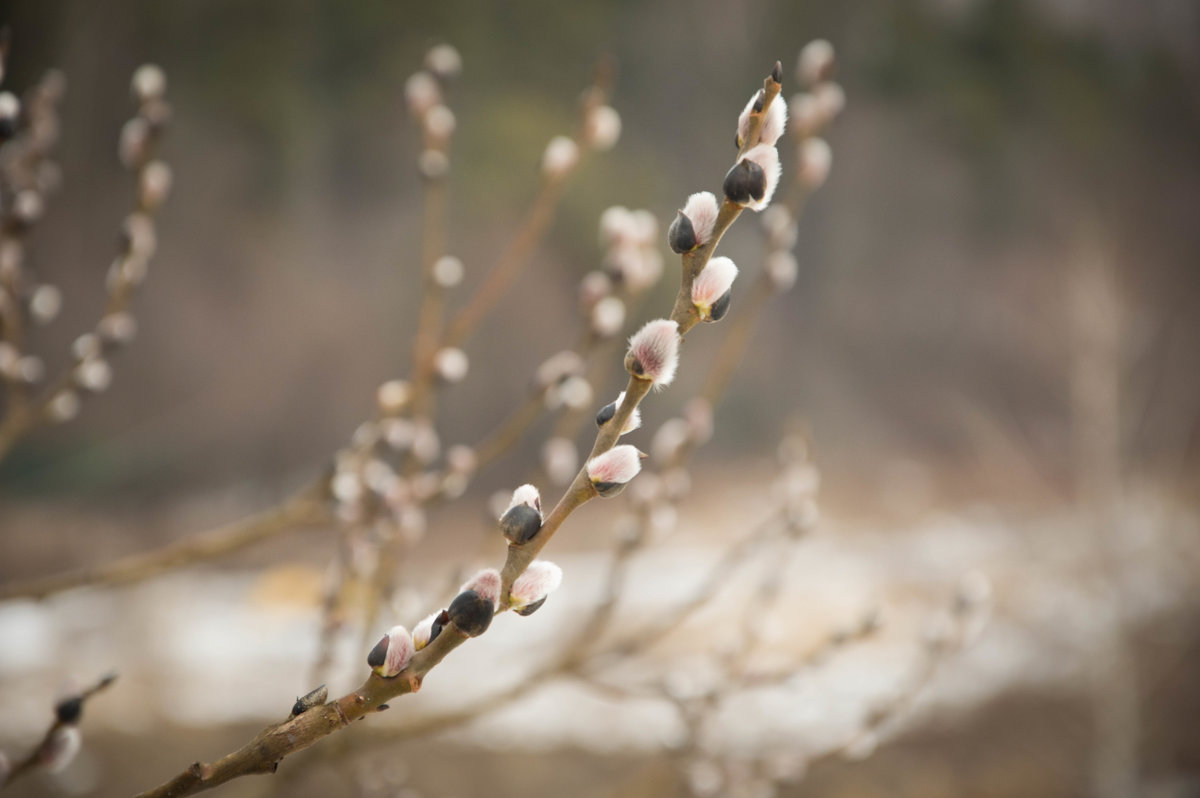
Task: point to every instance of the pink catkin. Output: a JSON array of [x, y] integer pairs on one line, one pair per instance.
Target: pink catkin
[[486, 583], [773, 123], [400, 651], [656, 348], [767, 157], [423, 630], [526, 494], [715, 279], [61, 748], [540, 579], [616, 466], [701, 209]]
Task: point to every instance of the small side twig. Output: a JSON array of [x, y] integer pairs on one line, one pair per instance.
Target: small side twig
[[61, 740]]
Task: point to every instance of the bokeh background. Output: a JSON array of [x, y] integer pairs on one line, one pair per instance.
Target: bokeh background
[[1008, 178]]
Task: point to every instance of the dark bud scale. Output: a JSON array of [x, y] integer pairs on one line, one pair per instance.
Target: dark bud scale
[[681, 236], [439, 623], [520, 523], [607, 490], [378, 654], [69, 710], [721, 306], [313, 698], [745, 182], [606, 414], [471, 613], [530, 609]]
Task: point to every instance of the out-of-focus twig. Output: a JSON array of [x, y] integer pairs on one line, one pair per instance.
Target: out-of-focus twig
[[61, 740]]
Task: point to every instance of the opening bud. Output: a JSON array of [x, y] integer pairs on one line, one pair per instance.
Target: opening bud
[[429, 628], [816, 158], [487, 584], [654, 352], [603, 128], [815, 63], [60, 749], [451, 364], [149, 83], [609, 410], [711, 291], [421, 93], [773, 123], [530, 589], [767, 159], [560, 157], [392, 653], [522, 519], [611, 472], [444, 61]]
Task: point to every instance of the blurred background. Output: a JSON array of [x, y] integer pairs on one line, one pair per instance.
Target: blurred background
[[993, 346]]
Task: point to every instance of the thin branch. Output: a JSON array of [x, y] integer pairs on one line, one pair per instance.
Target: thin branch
[[273, 744], [67, 714]]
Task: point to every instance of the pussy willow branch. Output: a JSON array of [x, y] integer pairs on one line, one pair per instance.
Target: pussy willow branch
[[570, 659], [22, 416], [269, 747], [24, 155], [516, 255], [429, 315], [285, 517], [62, 719], [512, 261], [685, 315]]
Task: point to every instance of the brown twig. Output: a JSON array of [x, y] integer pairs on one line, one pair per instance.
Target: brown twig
[[67, 713], [60, 400], [269, 747]]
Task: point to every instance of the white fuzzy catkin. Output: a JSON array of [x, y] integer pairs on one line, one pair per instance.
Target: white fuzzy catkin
[[774, 122], [444, 61], [400, 651], [616, 466], [421, 93], [486, 583], [815, 62], [603, 128], [655, 348], [525, 494], [560, 157], [451, 364], [767, 157], [816, 158], [539, 580], [714, 280], [701, 209]]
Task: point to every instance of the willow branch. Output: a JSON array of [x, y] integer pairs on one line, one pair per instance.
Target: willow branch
[[269, 747], [67, 713]]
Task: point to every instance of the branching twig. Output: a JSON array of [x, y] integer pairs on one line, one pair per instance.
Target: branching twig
[[268, 748], [60, 742]]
